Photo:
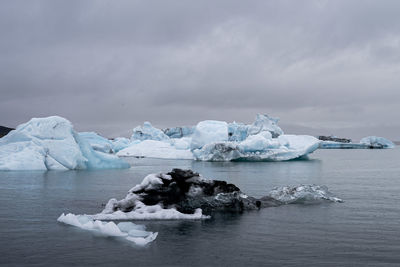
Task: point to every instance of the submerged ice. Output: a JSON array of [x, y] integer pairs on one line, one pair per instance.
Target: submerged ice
[[52, 144]]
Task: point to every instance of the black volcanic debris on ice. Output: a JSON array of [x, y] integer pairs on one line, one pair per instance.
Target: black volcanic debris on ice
[[187, 191]]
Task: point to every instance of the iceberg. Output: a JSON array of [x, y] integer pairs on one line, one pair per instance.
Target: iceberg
[[127, 230], [184, 194], [370, 142], [259, 147], [212, 140], [97, 142], [51, 144], [156, 149], [148, 132], [377, 142]]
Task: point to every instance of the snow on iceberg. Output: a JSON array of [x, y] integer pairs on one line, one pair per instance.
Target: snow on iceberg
[[155, 149], [260, 147], [51, 144], [184, 194], [148, 132], [377, 142], [127, 230]]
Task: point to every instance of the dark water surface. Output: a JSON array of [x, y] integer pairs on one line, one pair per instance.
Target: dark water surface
[[362, 231]]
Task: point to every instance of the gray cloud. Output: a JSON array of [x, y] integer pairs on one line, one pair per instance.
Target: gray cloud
[[324, 66]]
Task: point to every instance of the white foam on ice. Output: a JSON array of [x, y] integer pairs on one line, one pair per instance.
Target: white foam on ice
[[155, 149], [127, 230]]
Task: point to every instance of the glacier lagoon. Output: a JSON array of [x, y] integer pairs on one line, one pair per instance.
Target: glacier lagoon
[[362, 230]]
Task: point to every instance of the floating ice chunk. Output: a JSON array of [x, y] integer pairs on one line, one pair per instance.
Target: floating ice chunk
[[209, 131], [148, 132], [155, 149], [97, 142], [128, 230], [184, 194], [377, 142], [303, 194], [51, 144], [259, 148]]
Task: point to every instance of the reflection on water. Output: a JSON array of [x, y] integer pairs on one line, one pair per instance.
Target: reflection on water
[[361, 231]]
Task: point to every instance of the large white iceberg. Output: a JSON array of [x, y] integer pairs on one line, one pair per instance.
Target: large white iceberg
[[377, 142], [212, 140], [51, 144]]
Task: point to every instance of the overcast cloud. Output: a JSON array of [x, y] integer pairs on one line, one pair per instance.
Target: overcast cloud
[[321, 66]]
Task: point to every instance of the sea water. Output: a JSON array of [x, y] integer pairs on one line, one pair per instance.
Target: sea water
[[362, 231]]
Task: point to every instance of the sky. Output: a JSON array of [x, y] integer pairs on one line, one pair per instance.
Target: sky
[[322, 67]]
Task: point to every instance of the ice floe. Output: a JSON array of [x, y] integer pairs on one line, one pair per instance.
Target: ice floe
[[126, 230], [377, 142]]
